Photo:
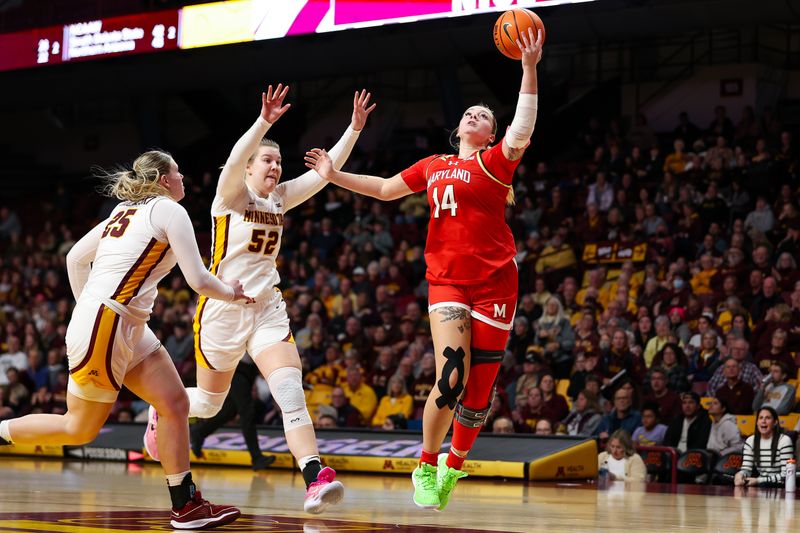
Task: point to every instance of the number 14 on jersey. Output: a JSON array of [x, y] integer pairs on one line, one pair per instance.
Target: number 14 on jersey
[[448, 201]]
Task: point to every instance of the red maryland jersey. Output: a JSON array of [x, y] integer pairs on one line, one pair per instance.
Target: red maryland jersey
[[468, 238]]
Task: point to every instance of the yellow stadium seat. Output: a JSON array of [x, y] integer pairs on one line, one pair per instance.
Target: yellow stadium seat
[[746, 423], [788, 422], [705, 400], [561, 387]]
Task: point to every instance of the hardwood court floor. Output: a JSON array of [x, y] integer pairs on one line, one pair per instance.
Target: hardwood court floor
[[98, 496]]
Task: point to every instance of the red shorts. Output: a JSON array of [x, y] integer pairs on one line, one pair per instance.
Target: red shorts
[[492, 305]]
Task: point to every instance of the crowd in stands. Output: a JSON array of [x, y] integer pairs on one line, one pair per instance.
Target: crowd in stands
[[659, 291]]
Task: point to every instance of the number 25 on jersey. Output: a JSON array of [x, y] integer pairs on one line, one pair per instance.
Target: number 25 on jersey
[[448, 201]]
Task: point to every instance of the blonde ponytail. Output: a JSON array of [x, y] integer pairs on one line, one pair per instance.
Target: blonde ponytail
[[139, 183]]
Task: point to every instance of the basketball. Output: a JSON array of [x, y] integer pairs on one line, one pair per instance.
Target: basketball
[[510, 26]]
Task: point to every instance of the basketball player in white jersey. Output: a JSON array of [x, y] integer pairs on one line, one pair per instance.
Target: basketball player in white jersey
[[247, 215], [114, 271]]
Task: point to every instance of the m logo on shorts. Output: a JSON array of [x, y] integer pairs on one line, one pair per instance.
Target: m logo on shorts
[[94, 373], [499, 311]]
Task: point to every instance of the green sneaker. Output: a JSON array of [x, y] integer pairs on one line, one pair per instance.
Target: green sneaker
[[426, 492], [446, 479]]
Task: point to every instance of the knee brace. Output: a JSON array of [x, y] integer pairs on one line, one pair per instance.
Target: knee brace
[[286, 386], [204, 404]]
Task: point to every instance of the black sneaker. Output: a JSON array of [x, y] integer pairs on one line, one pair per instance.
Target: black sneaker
[[262, 462], [4, 442]]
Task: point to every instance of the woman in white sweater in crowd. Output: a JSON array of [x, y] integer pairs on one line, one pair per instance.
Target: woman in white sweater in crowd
[[725, 436], [621, 460]]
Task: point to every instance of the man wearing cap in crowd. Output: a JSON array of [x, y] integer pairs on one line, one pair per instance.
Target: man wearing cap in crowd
[[532, 370]]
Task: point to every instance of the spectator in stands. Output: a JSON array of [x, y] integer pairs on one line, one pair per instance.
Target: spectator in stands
[[395, 421], [651, 432], [724, 436], [776, 392], [361, 395], [668, 401], [585, 366], [326, 422], [620, 459], [544, 428], [180, 346], [777, 353], [13, 358], [503, 425], [691, 430], [423, 383], [760, 221], [585, 416], [750, 373], [555, 335], [662, 337], [622, 416], [673, 361], [556, 256], [706, 359], [765, 453], [769, 297], [736, 394], [528, 411], [10, 226], [396, 401], [601, 193], [345, 415], [554, 406]]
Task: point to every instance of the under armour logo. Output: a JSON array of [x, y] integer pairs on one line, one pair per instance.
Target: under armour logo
[[451, 163], [278, 204], [94, 373]]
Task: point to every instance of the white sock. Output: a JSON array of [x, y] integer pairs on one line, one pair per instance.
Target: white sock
[[4, 431], [303, 461], [173, 480]]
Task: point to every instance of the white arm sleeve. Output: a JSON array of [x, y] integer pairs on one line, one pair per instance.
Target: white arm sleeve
[[231, 179], [521, 129], [298, 190], [173, 221], [80, 257]]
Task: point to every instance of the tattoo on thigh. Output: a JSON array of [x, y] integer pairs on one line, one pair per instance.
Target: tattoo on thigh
[[456, 313]]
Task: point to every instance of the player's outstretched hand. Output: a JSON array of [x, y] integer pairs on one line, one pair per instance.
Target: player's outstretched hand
[[360, 109], [272, 107], [319, 160], [531, 48]]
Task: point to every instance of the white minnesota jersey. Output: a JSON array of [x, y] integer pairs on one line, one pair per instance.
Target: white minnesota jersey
[[246, 238], [131, 258]]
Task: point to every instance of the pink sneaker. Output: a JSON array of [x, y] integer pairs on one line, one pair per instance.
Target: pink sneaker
[[150, 442], [323, 492]]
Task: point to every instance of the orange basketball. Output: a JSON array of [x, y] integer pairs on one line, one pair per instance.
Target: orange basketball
[[510, 25]]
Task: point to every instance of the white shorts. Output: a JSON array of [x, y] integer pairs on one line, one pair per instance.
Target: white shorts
[[102, 347], [223, 331]]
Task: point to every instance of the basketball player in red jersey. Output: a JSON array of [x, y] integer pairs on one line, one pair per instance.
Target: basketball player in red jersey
[[468, 244]]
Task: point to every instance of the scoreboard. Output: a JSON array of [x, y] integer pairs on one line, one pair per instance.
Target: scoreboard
[[220, 23]]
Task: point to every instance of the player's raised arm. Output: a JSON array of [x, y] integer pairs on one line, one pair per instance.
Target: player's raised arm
[[80, 257], [231, 180], [519, 133], [298, 190], [377, 187]]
